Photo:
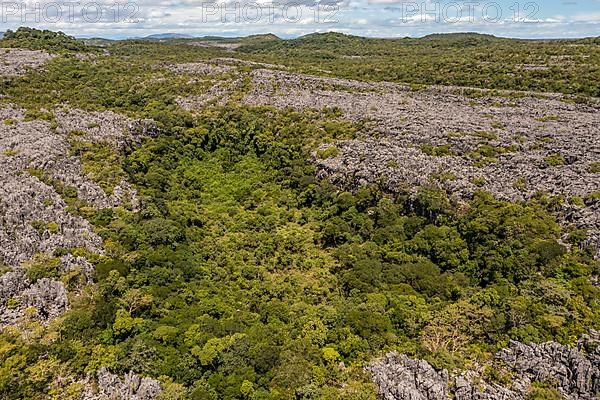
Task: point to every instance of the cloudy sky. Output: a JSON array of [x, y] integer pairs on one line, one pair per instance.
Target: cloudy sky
[[290, 18]]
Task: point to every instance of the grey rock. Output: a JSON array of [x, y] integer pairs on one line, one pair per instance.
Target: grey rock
[[69, 263], [208, 43], [121, 132], [47, 296], [33, 216], [468, 386], [15, 62], [130, 387], [575, 371], [200, 68], [577, 374], [401, 378]]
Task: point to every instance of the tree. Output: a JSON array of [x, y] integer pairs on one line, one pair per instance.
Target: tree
[[455, 326], [125, 324], [135, 300]]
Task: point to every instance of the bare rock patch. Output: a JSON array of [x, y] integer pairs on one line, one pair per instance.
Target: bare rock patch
[[574, 371], [15, 62]]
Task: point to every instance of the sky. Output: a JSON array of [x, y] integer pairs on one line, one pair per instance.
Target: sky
[[118, 19]]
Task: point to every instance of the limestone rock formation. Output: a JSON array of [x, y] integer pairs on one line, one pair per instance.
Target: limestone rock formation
[[35, 161], [34, 218], [575, 371], [47, 297], [105, 127], [401, 378], [69, 263], [130, 387], [200, 68]]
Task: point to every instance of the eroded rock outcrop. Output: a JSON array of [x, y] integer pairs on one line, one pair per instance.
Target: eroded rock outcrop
[[35, 162], [70, 263], [121, 132], [37, 169], [34, 219], [46, 298], [573, 371], [200, 68], [130, 387], [401, 378]]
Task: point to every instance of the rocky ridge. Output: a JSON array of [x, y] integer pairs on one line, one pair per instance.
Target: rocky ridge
[[200, 68], [47, 298], [573, 371], [34, 156], [34, 218], [37, 169], [438, 129]]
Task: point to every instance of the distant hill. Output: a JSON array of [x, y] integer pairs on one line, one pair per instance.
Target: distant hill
[[163, 36], [36, 39], [263, 37], [459, 36], [329, 38], [100, 42]]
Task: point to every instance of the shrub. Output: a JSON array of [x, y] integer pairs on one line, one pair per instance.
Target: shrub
[[437, 151], [329, 152], [554, 160]]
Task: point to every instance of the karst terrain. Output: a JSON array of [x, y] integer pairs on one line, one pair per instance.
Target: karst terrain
[[237, 219]]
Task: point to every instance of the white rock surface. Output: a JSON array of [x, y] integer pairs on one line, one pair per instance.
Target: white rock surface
[[14, 62]]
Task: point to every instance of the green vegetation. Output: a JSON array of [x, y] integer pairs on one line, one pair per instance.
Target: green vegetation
[[479, 181], [438, 151], [554, 160], [99, 161], [35, 39], [548, 118], [593, 196], [487, 154], [242, 276], [42, 267], [329, 152], [473, 60], [577, 201], [486, 135], [520, 183], [544, 391], [10, 152]]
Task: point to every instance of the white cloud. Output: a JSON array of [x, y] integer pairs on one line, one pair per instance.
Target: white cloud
[[586, 17], [381, 18]]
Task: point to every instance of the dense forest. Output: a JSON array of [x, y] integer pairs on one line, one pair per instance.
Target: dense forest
[[243, 276]]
